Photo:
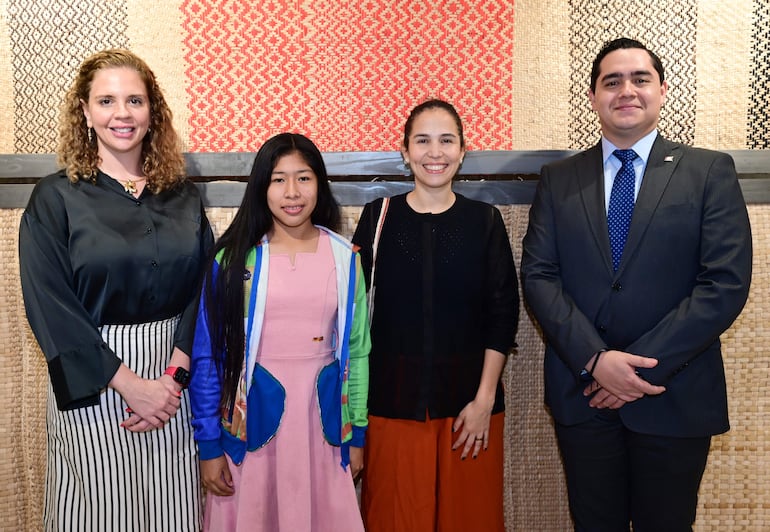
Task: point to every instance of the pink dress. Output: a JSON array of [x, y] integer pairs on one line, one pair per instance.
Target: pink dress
[[295, 482]]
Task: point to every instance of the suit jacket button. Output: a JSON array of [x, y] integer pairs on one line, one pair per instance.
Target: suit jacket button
[[602, 328], [617, 287]]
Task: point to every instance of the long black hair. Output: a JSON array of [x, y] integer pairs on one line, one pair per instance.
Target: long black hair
[[223, 293]]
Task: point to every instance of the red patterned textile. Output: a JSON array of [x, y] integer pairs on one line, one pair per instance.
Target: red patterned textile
[[344, 73]]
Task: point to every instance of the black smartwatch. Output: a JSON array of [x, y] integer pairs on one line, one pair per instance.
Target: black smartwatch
[[180, 375]]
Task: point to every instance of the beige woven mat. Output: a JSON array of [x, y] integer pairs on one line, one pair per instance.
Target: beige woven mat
[[541, 75], [6, 83], [154, 30], [49, 40], [724, 80], [668, 28], [735, 494], [759, 77], [22, 391]]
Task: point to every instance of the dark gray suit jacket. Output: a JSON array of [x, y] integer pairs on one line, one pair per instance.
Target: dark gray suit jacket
[[683, 279]]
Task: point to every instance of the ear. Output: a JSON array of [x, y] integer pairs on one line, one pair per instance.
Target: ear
[[405, 154], [663, 92], [591, 98], [86, 113]]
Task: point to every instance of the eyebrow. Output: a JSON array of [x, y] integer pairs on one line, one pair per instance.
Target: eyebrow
[[110, 95], [278, 172], [426, 135], [634, 74]]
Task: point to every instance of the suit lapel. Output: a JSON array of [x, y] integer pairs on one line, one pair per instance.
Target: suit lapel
[[664, 158], [590, 175]]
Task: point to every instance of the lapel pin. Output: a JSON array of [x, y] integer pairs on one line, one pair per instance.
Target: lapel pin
[[668, 159]]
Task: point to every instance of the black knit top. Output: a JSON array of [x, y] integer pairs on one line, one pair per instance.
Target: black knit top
[[445, 290]]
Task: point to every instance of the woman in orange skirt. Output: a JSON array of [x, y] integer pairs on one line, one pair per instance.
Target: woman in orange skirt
[[444, 320]]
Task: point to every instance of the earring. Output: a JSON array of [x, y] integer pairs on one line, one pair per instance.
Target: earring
[[90, 135]]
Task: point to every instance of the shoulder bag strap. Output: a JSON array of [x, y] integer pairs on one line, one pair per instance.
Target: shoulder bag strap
[[375, 243]]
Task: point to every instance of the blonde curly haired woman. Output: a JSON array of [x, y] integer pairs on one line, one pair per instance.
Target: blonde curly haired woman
[[111, 249]]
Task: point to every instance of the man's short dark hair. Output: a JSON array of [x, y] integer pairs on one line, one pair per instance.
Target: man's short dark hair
[[618, 44]]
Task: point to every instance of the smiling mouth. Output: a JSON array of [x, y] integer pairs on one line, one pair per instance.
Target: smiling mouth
[[293, 209], [122, 130], [435, 167]]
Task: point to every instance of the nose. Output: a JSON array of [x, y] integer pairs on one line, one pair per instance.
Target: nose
[[434, 149], [291, 190], [121, 109], [627, 87]]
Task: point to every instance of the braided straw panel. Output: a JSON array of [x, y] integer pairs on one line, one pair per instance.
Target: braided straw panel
[[735, 494], [724, 37], [668, 28], [11, 464], [541, 76], [6, 83], [154, 30], [22, 391], [49, 40], [759, 106]]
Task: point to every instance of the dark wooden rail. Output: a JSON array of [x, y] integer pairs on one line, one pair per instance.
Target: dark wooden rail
[[499, 177]]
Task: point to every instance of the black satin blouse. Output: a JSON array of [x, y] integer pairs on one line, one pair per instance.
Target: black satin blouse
[[92, 254]]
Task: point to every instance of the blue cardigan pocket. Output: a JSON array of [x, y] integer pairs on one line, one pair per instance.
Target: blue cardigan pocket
[[265, 405], [329, 386]]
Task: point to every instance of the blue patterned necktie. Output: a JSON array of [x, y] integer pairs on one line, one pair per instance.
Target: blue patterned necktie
[[621, 206]]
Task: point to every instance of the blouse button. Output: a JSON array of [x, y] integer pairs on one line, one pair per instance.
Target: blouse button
[[148, 231], [154, 264]]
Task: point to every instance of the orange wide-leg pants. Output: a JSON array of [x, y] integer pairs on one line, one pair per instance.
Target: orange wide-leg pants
[[414, 481]]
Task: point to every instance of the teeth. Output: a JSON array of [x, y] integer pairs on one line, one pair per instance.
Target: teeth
[[434, 167], [123, 129]]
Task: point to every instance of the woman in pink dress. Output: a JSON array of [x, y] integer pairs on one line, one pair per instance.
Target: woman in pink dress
[[280, 358]]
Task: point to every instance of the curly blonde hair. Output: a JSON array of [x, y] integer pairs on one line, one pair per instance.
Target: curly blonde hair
[[162, 160]]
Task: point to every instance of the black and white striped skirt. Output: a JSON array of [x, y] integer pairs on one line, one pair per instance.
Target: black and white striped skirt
[[102, 477]]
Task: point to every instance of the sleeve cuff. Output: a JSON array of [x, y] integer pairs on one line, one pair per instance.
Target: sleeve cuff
[[209, 449], [78, 376], [359, 436]]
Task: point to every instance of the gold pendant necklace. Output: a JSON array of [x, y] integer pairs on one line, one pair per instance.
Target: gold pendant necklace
[[130, 186]]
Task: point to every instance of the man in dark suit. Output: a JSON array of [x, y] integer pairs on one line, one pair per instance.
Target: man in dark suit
[[634, 263]]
